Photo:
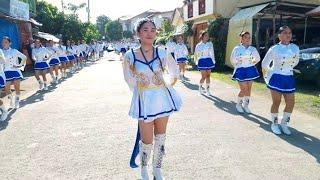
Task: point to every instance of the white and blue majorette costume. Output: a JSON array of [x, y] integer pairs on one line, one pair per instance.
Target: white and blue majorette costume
[[2, 75], [40, 56], [70, 52], [205, 56], [152, 97], [76, 51], [244, 60], [54, 56], [181, 53], [171, 46], [279, 77], [12, 65], [62, 53]]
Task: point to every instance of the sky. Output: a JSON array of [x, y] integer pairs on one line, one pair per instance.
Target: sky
[[118, 8]]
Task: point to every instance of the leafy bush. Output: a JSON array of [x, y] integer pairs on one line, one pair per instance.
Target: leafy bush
[[218, 31]]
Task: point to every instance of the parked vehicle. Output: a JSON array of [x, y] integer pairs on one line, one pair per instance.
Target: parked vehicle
[[309, 65]]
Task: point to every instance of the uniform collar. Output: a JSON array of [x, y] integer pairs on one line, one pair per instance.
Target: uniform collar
[[7, 49], [244, 46]]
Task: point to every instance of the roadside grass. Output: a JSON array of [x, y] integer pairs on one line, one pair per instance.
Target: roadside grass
[[307, 95]]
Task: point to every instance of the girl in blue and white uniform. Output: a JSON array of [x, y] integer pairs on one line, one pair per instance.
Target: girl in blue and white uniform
[[181, 53], [76, 53], [71, 57], [41, 57], [14, 61], [283, 56], [54, 61], [204, 56], [62, 54], [153, 100], [4, 111], [244, 58]]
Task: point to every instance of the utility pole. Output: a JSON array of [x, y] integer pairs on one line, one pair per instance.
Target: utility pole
[[88, 10], [62, 5]]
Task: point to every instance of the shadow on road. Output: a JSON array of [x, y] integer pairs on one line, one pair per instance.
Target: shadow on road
[[306, 142]]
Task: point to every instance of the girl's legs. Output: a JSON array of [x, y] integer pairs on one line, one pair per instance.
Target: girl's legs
[[157, 128], [247, 93], [9, 93], [203, 78], [16, 84], [290, 101], [276, 100]]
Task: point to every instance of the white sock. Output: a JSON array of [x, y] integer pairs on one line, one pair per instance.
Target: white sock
[[208, 85], [246, 100], [52, 76], [3, 107], [274, 118], [240, 100], [17, 96], [285, 118], [201, 85]]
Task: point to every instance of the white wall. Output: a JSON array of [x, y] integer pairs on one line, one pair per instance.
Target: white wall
[[209, 10]]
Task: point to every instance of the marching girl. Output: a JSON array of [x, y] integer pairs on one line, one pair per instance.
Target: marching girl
[[54, 61], [41, 55], [244, 58], [76, 53], [12, 70], [71, 57], [204, 56], [4, 112], [62, 54], [153, 100], [284, 56], [181, 53]]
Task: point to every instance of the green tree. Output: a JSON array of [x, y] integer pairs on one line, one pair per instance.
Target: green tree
[[218, 32], [127, 34], [101, 23], [90, 31], [114, 30], [52, 20]]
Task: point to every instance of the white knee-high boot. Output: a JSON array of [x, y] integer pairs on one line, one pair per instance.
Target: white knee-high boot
[[158, 153], [145, 151]]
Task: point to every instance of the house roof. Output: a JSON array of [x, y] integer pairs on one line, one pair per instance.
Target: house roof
[[314, 12]]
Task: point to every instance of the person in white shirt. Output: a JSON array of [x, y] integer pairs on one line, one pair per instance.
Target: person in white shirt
[[277, 67], [153, 99], [71, 57], [14, 61], [62, 54], [54, 61], [76, 54], [4, 111], [244, 58], [204, 57], [181, 53], [41, 57]]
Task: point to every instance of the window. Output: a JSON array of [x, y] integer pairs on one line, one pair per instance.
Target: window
[[202, 7], [190, 10]]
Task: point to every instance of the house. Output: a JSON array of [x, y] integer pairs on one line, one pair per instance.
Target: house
[[263, 18], [129, 22], [246, 15]]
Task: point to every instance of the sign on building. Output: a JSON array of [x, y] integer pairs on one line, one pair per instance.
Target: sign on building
[[19, 9]]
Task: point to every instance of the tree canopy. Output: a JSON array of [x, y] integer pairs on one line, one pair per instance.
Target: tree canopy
[[114, 30], [68, 26]]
